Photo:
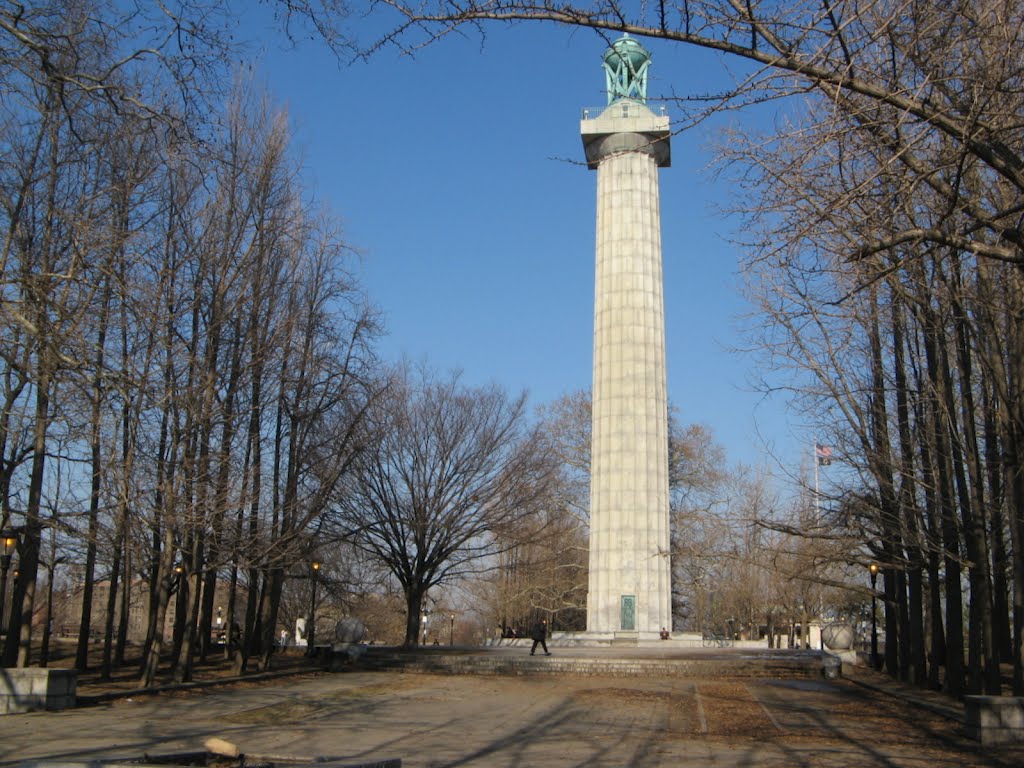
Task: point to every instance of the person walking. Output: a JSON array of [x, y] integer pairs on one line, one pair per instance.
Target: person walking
[[539, 635]]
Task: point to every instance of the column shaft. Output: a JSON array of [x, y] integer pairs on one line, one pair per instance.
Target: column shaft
[[629, 472]]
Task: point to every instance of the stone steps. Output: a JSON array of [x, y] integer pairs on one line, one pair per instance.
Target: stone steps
[[803, 665]]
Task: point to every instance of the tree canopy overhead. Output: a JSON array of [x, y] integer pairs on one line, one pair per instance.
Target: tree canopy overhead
[[916, 74]]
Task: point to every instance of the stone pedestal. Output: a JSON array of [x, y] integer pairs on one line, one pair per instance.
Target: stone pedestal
[[25, 689]]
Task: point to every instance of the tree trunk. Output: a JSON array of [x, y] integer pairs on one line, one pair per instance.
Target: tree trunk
[[19, 625], [983, 664], [163, 578], [954, 661], [881, 464], [413, 606], [914, 661], [120, 542]]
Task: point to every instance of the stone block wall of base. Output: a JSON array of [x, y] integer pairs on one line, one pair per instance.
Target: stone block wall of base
[[995, 719], [25, 689]]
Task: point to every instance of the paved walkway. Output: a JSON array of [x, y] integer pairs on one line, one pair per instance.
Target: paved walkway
[[543, 720]]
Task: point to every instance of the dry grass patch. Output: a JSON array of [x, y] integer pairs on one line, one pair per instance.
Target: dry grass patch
[[679, 709], [283, 712]]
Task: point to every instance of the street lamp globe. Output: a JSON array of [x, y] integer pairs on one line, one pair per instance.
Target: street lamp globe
[[8, 542]]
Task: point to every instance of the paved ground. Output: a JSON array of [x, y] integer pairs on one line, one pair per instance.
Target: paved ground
[[431, 720]]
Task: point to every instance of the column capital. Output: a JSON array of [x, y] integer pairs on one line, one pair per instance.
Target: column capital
[[625, 126]]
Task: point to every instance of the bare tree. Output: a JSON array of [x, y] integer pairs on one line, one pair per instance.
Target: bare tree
[[447, 473], [54, 228], [167, 303]]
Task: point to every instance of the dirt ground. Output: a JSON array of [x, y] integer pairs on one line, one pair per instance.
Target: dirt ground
[[456, 720], [431, 721]]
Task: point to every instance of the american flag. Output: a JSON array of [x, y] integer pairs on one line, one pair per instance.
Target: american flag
[[824, 454]]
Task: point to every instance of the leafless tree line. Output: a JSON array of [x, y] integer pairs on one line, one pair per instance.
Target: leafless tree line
[[187, 360], [886, 250], [192, 398]]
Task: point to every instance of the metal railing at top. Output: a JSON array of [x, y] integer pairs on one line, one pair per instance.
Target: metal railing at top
[[623, 109]]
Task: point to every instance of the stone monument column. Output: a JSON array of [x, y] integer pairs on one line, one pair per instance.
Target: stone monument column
[[630, 593]]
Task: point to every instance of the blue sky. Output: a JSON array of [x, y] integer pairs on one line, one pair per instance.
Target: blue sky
[[457, 176]]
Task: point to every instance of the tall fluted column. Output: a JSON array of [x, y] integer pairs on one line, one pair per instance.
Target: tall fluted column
[[630, 571]]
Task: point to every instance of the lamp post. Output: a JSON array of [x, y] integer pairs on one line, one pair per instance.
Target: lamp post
[[873, 570], [311, 630], [8, 541], [424, 619], [451, 630]]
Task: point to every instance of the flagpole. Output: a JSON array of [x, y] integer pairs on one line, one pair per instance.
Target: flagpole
[[817, 502]]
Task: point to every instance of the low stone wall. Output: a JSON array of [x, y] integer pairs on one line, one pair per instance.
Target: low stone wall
[[25, 689], [995, 719]]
